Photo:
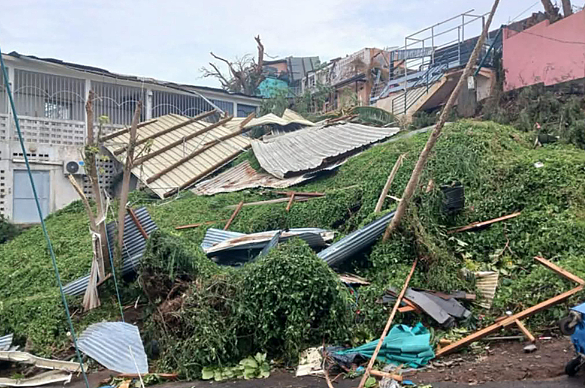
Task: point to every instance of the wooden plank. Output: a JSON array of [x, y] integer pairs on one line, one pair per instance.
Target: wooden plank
[[180, 141], [190, 226], [389, 181], [234, 214], [126, 130], [137, 223], [378, 373], [525, 331], [559, 270], [299, 193], [247, 120], [479, 224], [388, 324], [506, 322], [273, 201], [290, 202], [407, 309]]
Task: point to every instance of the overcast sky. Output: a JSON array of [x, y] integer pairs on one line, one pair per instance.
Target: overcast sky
[[171, 39]]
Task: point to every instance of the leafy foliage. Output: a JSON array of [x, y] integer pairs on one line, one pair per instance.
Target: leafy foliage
[[7, 230], [249, 368]]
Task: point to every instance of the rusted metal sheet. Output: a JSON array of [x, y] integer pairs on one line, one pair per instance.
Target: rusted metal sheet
[[243, 176], [309, 149], [211, 157]]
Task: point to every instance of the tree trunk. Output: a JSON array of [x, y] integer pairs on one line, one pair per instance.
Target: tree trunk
[[424, 155], [91, 150], [126, 183], [567, 8], [551, 12]]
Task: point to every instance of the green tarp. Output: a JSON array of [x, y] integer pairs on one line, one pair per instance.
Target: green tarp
[[403, 345]]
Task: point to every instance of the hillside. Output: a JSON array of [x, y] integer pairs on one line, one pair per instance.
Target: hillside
[[495, 163]]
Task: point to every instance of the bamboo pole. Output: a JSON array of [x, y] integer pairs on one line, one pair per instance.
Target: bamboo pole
[[388, 324], [424, 155]]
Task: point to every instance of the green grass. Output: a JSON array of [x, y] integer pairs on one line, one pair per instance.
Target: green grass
[[494, 162]]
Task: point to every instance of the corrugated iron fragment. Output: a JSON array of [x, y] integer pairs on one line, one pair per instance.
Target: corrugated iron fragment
[[6, 341], [355, 241], [486, 283], [45, 378], [217, 241], [311, 148], [109, 343], [134, 246]]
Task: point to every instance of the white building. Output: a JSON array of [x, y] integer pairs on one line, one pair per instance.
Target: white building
[[50, 98]]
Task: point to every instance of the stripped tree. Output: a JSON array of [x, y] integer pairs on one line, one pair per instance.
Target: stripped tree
[[129, 164]]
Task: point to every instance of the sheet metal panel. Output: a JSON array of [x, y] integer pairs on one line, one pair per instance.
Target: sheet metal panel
[[5, 342], [356, 241], [217, 241], [109, 343], [310, 148], [196, 166], [243, 176], [134, 246]]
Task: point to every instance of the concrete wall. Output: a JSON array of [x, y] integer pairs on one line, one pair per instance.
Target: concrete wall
[[545, 53]]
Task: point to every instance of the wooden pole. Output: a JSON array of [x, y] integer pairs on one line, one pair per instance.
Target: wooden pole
[[384, 192], [234, 214], [126, 182], [567, 8], [290, 202], [388, 324], [424, 155]]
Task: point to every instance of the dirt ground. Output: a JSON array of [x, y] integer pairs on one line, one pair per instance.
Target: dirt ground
[[502, 361], [497, 363]]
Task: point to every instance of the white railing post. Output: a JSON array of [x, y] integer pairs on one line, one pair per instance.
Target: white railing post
[[148, 104]]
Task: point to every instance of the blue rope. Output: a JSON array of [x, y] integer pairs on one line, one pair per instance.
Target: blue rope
[[43, 226]]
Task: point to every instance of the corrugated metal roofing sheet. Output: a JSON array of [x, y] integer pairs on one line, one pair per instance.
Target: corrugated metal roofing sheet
[[6, 341], [134, 246], [356, 241], [486, 283], [198, 166], [288, 117], [310, 148], [218, 241], [243, 176], [109, 343]]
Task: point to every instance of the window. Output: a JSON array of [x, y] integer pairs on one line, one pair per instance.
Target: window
[[245, 110], [59, 111]]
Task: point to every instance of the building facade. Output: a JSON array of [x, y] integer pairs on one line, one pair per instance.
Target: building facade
[[50, 97]]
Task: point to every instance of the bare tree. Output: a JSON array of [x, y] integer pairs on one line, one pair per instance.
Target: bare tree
[[244, 74], [126, 181], [552, 13], [567, 8]]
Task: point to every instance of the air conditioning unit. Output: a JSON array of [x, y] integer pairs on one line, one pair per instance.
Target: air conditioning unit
[[73, 167]]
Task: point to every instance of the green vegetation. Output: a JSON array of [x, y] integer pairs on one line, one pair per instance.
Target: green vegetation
[[498, 166], [7, 230]]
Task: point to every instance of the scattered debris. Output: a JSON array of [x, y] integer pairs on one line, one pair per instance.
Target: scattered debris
[[313, 148], [115, 345], [538, 164], [310, 362], [243, 176], [233, 216], [516, 318], [45, 378], [351, 279], [487, 283], [477, 225], [219, 241], [5, 342], [45, 363], [132, 251], [530, 348], [403, 345]]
